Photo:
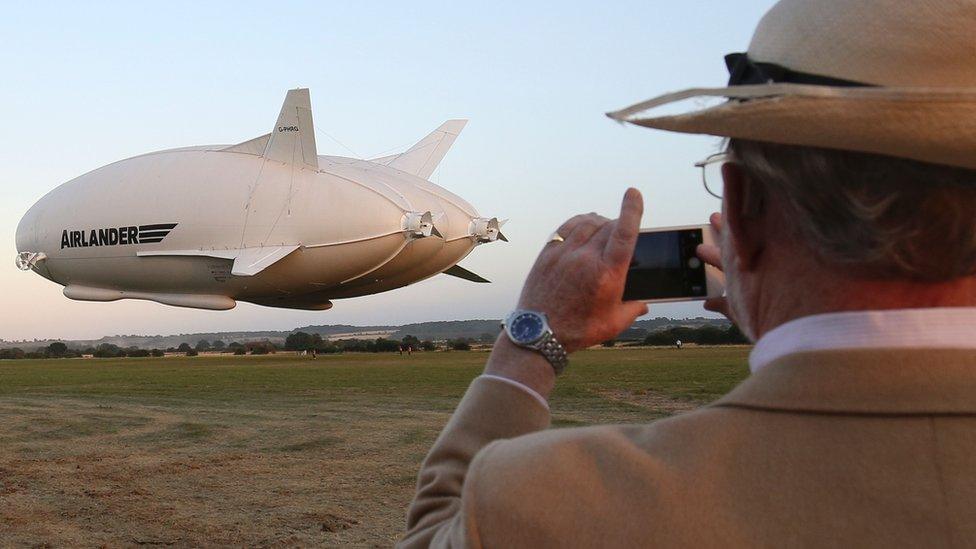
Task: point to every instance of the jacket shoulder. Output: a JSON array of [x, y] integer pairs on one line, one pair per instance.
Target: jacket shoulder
[[532, 488], [558, 447]]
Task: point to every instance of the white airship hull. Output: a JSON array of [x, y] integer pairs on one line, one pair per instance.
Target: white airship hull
[[206, 227]]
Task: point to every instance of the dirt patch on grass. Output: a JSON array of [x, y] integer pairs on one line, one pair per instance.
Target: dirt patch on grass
[[258, 474], [651, 400]]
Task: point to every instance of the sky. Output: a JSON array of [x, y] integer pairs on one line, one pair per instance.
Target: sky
[[89, 83]]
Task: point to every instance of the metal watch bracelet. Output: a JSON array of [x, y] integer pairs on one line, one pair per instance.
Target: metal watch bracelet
[[554, 353]]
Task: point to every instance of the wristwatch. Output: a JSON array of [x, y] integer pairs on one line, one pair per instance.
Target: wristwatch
[[530, 329]]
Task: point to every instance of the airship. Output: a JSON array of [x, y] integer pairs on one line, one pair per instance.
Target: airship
[[266, 221]]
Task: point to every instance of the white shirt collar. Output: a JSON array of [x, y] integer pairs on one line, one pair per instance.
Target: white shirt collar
[[937, 328]]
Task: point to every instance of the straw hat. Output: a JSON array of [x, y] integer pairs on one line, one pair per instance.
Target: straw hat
[[892, 77]]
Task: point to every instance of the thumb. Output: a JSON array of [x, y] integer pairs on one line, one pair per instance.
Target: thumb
[[630, 310]]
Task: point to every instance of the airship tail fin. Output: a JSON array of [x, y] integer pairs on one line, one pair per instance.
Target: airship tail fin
[[293, 137], [292, 140], [461, 272], [423, 158]]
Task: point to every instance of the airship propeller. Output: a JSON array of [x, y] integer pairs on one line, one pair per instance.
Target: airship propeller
[[420, 225], [26, 260], [485, 230]]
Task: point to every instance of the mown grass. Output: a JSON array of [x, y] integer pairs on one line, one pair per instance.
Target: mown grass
[[699, 374]]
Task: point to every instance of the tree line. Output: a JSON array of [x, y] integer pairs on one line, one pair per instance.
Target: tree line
[[298, 341], [302, 341], [60, 349], [703, 335]]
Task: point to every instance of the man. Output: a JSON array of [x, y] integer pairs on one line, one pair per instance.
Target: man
[[848, 239]]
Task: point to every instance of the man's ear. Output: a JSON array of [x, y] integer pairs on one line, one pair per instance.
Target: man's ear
[[744, 215]]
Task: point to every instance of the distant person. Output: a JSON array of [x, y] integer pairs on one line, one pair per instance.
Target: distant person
[[677, 344], [409, 350], [848, 239]]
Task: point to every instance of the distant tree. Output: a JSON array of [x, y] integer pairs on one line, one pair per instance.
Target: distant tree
[[235, 345], [300, 341], [56, 349], [487, 337], [702, 335], [202, 345], [13, 353], [428, 345], [632, 334], [459, 344], [240, 350], [192, 352], [218, 345], [383, 345], [184, 347], [736, 336], [609, 343], [326, 346], [259, 347], [107, 350], [350, 345], [410, 341], [669, 336], [138, 353], [157, 353]]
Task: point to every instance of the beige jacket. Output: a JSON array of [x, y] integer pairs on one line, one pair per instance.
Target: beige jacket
[[838, 448]]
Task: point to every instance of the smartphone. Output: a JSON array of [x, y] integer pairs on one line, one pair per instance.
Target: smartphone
[[666, 267]]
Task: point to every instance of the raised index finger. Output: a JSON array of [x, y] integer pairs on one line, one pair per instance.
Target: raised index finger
[[620, 245], [716, 221]]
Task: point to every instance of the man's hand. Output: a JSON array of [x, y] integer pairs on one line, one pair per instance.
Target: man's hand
[[712, 254], [579, 283]]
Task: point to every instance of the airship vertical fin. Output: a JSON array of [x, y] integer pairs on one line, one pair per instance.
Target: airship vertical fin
[[424, 157], [293, 137]]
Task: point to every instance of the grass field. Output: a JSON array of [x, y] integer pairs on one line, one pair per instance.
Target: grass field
[[277, 450]]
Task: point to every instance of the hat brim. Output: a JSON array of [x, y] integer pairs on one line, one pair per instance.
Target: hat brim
[[929, 125]]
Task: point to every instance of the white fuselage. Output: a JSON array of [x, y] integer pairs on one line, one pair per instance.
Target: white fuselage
[[346, 219]]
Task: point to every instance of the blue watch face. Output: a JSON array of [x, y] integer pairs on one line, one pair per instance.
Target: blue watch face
[[526, 328]]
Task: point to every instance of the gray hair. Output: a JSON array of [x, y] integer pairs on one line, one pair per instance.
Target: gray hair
[[879, 216]]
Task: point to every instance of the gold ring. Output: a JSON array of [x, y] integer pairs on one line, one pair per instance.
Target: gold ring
[[556, 237]]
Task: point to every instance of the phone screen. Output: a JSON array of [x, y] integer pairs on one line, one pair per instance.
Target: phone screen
[[665, 266]]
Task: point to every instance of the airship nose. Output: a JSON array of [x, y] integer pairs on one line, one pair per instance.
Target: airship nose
[[27, 253], [26, 237]]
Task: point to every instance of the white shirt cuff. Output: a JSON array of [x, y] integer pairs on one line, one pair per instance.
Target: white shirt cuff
[[532, 392]]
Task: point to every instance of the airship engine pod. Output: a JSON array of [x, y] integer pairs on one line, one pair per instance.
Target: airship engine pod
[[267, 221]]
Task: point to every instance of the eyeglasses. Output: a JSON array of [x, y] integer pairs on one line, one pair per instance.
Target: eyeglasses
[[711, 169]]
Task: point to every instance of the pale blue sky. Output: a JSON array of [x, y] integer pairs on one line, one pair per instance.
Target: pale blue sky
[[86, 84]]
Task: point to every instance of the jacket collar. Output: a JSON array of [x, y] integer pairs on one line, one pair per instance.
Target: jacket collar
[[865, 381]]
